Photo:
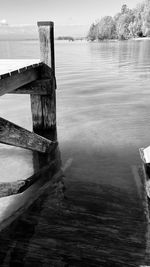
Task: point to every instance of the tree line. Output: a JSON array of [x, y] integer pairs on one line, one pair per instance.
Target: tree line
[[128, 23]]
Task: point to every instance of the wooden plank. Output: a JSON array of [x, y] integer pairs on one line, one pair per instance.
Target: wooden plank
[[44, 107], [15, 135], [9, 65], [146, 172], [38, 87], [17, 80]]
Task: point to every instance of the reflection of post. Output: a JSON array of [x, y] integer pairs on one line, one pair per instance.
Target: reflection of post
[[44, 106]]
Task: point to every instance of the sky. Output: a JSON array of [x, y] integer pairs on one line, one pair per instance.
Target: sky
[[62, 12]]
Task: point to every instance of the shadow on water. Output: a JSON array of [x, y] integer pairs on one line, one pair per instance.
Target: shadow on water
[[18, 227], [97, 223]]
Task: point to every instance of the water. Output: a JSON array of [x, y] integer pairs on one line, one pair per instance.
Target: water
[[103, 102], [103, 107], [102, 99]]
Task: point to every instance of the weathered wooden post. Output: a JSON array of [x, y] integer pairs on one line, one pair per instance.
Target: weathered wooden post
[[44, 106], [46, 37]]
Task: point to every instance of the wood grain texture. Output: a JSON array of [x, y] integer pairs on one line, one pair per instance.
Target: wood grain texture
[[44, 107], [46, 72], [15, 135], [43, 114], [16, 80], [46, 37], [38, 87], [37, 113], [49, 111]]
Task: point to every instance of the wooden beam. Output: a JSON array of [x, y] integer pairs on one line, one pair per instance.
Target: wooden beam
[[38, 87], [15, 135], [44, 107], [46, 37], [17, 79]]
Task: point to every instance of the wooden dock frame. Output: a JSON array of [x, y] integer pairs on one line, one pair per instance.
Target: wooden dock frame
[[39, 81]]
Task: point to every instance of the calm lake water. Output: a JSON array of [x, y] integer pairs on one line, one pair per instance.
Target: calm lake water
[[103, 118], [103, 98]]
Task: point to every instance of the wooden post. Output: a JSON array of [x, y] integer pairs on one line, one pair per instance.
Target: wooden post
[[43, 107], [46, 37]]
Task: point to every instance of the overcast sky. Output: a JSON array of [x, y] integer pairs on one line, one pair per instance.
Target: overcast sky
[[64, 12]]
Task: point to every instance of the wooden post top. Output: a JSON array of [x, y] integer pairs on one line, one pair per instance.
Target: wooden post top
[[46, 37], [45, 23]]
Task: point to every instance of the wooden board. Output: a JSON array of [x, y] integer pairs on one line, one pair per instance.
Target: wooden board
[[16, 73], [38, 87], [44, 107], [15, 135], [146, 172], [9, 65]]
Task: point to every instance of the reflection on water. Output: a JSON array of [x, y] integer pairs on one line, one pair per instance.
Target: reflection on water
[[103, 104]]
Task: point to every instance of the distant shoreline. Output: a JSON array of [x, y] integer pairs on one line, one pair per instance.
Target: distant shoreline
[[78, 40], [117, 40], [17, 39]]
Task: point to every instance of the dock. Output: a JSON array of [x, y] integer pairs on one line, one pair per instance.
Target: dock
[[35, 78], [87, 209]]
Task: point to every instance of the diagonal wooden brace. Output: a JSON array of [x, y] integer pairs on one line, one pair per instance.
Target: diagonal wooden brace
[[14, 135]]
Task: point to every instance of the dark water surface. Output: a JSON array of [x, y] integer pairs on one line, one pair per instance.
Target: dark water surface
[[103, 118]]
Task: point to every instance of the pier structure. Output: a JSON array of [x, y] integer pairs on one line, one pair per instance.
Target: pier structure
[[36, 78], [101, 219]]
